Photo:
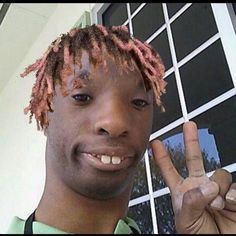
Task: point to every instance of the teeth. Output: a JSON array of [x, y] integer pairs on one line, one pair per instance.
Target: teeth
[[105, 159], [116, 160]]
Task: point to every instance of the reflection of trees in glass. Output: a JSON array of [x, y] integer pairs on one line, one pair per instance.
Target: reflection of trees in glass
[[163, 204], [210, 163], [140, 181], [176, 153], [165, 215], [141, 213]]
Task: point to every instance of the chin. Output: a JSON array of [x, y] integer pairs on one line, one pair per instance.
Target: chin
[[108, 193], [103, 190]]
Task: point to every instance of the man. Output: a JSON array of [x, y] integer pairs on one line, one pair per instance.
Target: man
[[93, 97]]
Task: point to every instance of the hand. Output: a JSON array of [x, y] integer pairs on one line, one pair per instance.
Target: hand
[[201, 204]]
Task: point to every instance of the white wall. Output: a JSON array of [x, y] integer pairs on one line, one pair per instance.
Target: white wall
[[22, 169]]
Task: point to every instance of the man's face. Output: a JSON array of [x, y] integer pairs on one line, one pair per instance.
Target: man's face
[[98, 133]]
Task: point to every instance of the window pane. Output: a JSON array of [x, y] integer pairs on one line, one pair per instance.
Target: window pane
[[206, 76], [157, 179], [192, 28], [116, 14], [220, 122], [234, 7], [140, 181], [173, 8], [161, 44], [148, 20], [173, 141], [234, 176], [141, 213], [171, 103], [165, 215], [134, 6]]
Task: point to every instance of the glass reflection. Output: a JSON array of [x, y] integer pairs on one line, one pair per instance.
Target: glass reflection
[[161, 45], [192, 28], [220, 122], [206, 76], [174, 8], [116, 14], [141, 213], [140, 181], [134, 6], [174, 144], [172, 105], [148, 20], [165, 215]]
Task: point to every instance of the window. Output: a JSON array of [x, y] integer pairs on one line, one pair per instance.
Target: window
[[192, 28], [232, 12], [160, 43], [134, 6], [3, 10], [171, 103], [234, 7], [151, 15], [115, 14], [206, 76], [198, 46]]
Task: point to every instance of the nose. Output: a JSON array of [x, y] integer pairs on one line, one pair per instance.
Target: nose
[[112, 120]]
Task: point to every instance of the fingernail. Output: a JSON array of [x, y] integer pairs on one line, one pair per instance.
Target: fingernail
[[218, 203], [209, 189], [231, 196]]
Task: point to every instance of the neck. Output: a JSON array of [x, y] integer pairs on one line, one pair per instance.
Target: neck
[[71, 212]]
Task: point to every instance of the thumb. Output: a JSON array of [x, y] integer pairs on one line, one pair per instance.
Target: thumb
[[196, 200]]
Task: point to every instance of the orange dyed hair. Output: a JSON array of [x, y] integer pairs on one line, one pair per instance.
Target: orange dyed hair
[[54, 66]]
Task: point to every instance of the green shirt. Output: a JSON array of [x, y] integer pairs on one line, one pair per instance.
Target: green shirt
[[17, 227]]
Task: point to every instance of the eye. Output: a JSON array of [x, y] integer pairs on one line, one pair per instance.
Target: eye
[[140, 103], [82, 98]]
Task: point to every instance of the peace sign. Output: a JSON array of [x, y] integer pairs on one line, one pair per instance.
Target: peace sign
[[201, 204]]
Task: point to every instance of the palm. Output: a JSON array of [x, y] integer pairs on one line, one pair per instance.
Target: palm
[[205, 220], [178, 191], [198, 201]]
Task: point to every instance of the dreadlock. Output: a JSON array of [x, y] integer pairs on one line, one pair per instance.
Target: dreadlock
[[54, 66]]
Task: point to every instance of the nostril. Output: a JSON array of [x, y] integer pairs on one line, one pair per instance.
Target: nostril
[[123, 134], [111, 127], [112, 133], [103, 131]]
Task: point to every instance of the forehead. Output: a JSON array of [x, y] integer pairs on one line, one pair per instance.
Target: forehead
[[113, 71]]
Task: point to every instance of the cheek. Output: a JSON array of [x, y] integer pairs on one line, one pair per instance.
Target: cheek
[[146, 120], [144, 128], [65, 126]]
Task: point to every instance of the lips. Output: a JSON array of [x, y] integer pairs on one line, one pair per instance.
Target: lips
[[107, 162]]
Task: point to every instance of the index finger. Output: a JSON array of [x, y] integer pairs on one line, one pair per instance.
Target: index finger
[[163, 161], [193, 153]]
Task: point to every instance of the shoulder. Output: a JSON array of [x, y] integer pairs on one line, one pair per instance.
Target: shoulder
[[16, 226]]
